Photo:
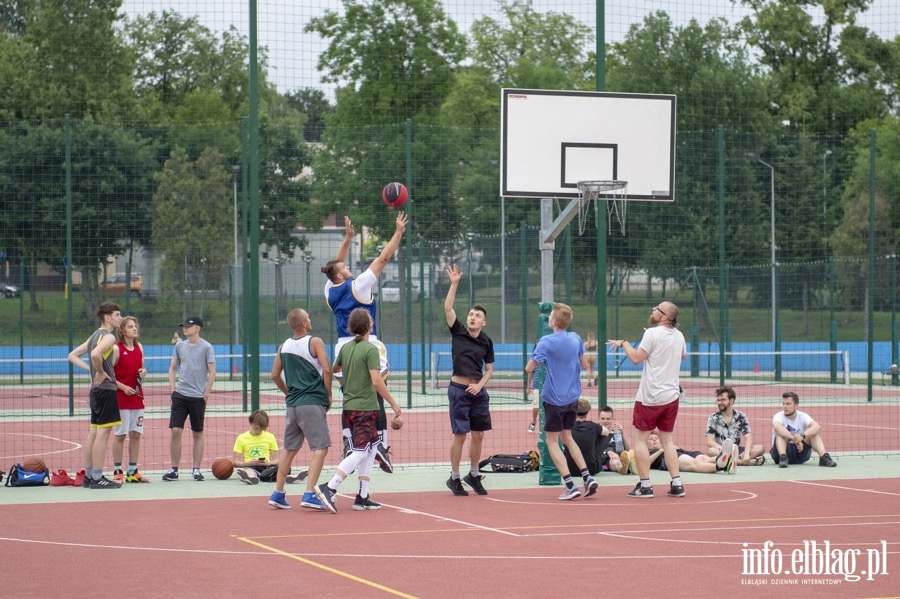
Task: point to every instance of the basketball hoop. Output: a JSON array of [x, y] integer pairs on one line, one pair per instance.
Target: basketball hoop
[[615, 193]]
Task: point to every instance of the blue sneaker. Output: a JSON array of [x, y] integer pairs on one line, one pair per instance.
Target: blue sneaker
[[277, 499], [312, 502], [590, 487]]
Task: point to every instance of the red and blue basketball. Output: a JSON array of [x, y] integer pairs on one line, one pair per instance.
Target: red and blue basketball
[[394, 194]]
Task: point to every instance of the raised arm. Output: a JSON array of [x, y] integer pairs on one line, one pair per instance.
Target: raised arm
[[344, 250], [391, 247], [454, 275]]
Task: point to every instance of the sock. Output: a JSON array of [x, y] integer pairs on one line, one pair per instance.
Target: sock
[[454, 475], [568, 480], [676, 480], [195, 470], [335, 482], [586, 474], [363, 488], [132, 467], [174, 468], [117, 465], [97, 474], [473, 472], [645, 483]]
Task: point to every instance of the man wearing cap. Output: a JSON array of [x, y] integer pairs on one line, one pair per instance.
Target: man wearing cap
[[192, 374]]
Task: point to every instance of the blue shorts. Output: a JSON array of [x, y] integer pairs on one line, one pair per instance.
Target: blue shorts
[[793, 456], [468, 412], [559, 418]]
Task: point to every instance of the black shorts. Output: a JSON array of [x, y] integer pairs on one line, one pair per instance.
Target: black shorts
[[104, 408], [184, 407], [559, 418], [468, 413]]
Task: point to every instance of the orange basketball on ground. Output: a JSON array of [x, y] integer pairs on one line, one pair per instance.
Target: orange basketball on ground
[[34, 465], [222, 468]]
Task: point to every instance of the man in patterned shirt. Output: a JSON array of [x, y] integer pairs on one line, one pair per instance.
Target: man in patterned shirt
[[728, 423]]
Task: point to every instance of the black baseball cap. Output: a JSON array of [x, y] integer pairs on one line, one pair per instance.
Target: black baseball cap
[[191, 321]]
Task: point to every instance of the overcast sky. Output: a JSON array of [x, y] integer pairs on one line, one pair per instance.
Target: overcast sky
[[293, 54]]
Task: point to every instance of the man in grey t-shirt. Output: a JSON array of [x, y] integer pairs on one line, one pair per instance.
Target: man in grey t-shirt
[[192, 374]]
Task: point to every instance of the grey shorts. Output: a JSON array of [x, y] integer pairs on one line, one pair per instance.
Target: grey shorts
[[309, 423]]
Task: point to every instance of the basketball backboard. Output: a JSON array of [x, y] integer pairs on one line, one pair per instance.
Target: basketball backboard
[[550, 140]]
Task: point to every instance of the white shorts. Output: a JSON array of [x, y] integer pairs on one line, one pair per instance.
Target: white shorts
[[382, 355], [132, 420]]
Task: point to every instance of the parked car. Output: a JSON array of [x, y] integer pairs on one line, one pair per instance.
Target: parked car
[[9, 291], [390, 291], [115, 285]]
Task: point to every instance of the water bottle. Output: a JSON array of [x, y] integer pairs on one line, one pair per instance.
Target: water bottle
[[619, 442], [139, 384]]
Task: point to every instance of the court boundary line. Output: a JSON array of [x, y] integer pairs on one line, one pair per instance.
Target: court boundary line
[[804, 482]]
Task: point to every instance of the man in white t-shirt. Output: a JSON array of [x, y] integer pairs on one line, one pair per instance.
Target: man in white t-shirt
[[662, 349], [795, 435]]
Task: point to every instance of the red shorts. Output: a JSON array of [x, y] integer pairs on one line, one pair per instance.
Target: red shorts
[[647, 418]]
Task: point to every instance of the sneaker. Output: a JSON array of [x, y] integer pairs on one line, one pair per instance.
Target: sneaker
[[246, 477], [383, 456], [312, 502], [136, 477], [104, 483], [365, 503], [531, 428], [625, 458], [292, 478], [724, 455], [455, 485], [170, 475], [590, 487], [276, 499], [61, 478], [826, 461], [83, 479], [118, 476], [569, 493], [326, 496], [475, 483], [675, 490], [198, 476], [782, 461], [733, 460], [347, 448], [641, 492]]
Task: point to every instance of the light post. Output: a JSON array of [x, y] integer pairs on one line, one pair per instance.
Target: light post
[[236, 169], [825, 156], [471, 237], [308, 258], [771, 168]]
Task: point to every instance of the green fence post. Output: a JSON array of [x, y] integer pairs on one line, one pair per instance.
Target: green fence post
[[549, 475], [695, 347]]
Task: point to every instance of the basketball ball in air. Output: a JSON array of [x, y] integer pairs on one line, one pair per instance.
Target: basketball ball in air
[[394, 194], [397, 423], [34, 465], [222, 468]]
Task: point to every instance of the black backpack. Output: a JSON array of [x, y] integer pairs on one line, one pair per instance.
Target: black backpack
[[505, 462]]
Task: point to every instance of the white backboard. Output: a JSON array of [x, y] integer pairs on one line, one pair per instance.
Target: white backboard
[[550, 140]]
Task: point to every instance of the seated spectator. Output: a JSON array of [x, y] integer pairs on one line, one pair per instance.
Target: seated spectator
[[256, 452], [728, 423], [795, 435], [612, 458], [590, 438], [691, 461]]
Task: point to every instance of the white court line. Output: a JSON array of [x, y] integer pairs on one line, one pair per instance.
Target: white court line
[[75, 446], [803, 482], [607, 504], [453, 520]]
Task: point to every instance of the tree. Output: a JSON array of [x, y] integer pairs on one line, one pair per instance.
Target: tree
[[197, 241], [313, 104]]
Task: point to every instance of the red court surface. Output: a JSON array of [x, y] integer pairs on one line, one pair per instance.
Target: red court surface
[[511, 543]]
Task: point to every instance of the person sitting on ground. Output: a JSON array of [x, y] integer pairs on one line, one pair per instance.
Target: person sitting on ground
[[795, 435], [691, 461], [728, 423], [590, 438], [613, 459], [256, 452]]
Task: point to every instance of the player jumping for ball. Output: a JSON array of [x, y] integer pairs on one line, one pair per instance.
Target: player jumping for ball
[[343, 294]]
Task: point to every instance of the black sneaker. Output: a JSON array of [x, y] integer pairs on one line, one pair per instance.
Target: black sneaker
[[675, 490], [475, 483], [365, 503], [293, 478], [455, 485], [641, 492], [326, 496], [104, 483], [198, 476], [170, 475], [826, 461], [782, 461], [382, 455]]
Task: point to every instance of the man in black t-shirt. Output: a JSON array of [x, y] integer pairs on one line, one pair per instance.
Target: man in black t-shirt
[[473, 366], [590, 437]]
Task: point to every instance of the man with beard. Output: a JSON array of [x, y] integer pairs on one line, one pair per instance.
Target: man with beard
[[728, 423]]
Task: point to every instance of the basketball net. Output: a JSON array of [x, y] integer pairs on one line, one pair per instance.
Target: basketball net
[[613, 193]]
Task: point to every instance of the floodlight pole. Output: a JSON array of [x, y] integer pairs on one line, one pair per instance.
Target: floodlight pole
[[236, 169], [771, 168]]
